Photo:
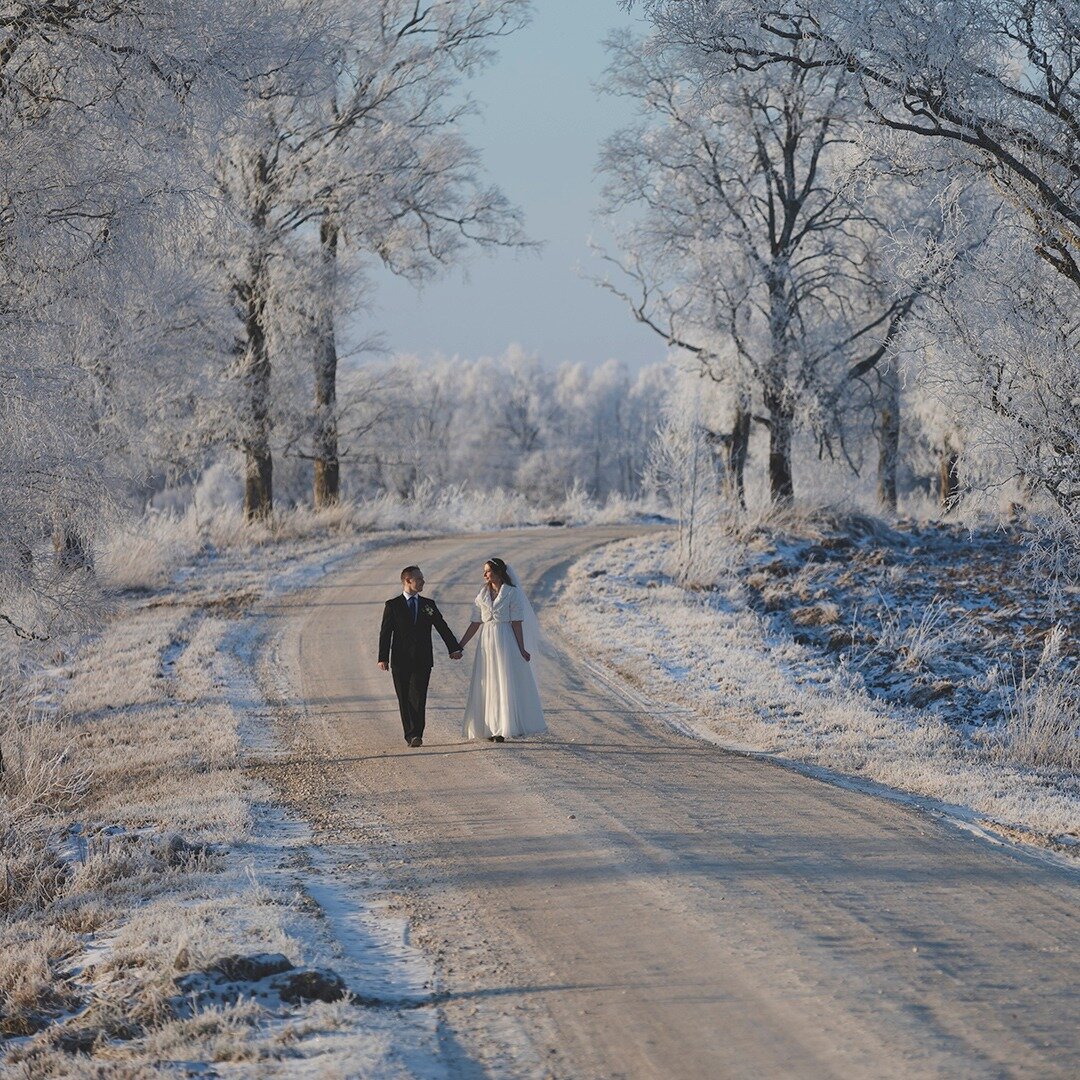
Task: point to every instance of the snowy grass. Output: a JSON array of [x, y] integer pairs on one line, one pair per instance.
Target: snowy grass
[[917, 643], [784, 651], [144, 555], [112, 796], [1042, 722], [131, 849]]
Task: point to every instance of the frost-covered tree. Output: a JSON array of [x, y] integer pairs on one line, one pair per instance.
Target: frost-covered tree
[[996, 355], [267, 176], [355, 149], [507, 422], [396, 179], [758, 246], [682, 468], [998, 80], [604, 419], [994, 85], [105, 111]]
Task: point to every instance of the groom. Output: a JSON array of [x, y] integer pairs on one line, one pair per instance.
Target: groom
[[405, 649]]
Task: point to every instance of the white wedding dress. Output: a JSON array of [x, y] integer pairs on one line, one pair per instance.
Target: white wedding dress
[[503, 699]]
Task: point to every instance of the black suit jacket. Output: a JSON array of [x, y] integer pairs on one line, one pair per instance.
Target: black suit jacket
[[405, 645]]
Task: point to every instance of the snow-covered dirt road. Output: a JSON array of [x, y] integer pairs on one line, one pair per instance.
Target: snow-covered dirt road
[[618, 900]]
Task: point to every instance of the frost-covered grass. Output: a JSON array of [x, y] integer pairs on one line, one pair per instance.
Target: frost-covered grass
[[919, 656], [1042, 721], [132, 848], [119, 802], [144, 554]]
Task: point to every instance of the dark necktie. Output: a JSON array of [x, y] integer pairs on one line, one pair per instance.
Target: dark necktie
[[414, 606]]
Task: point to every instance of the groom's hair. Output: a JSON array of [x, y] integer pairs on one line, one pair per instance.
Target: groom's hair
[[410, 572]]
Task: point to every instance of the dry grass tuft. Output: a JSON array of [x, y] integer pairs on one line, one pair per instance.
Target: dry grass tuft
[[826, 614], [30, 992], [68, 870], [1042, 722]]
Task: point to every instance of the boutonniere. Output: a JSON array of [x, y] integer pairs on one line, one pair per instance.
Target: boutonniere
[[429, 611]]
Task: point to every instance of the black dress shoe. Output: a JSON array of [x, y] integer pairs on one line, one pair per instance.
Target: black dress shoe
[[416, 741], [497, 738], [491, 738]]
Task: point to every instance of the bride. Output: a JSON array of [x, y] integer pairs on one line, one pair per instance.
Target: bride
[[503, 700]]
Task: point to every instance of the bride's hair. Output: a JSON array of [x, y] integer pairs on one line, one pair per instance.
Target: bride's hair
[[500, 568]]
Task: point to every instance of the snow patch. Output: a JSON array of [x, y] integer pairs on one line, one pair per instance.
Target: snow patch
[[716, 666]]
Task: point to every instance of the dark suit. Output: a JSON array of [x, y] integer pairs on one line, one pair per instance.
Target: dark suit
[[406, 647]]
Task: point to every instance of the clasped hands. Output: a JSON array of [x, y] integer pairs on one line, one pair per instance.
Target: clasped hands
[[384, 666]]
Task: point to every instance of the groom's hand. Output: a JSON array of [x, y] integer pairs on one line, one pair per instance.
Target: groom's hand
[[456, 655], [383, 665]]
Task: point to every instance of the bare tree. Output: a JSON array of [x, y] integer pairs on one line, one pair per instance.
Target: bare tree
[[104, 109], [758, 246], [994, 85], [399, 182]]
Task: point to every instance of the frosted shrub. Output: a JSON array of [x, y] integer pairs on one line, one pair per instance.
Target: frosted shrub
[[713, 557], [384, 511], [146, 553], [619, 509], [450, 509], [577, 507], [39, 771], [1042, 721], [465, 509], [219, 488], [918, 642]]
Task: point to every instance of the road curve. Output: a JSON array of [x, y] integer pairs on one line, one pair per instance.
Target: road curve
[[618, 900]]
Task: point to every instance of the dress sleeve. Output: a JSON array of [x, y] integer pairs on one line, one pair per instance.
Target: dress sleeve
[[517, 608]]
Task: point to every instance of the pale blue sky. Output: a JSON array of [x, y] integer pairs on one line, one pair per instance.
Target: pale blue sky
[[540, 135]]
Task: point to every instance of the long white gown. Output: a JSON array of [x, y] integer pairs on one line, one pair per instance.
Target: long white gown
[[503, 698]]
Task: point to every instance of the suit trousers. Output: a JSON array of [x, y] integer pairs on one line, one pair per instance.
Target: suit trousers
[[411, 687]]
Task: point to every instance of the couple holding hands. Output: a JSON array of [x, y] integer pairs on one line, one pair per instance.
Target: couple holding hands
[[503, 701]]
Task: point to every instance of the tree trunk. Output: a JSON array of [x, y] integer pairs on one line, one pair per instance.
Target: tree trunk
[[258, 482], [72, 548], [259, 462], [949, 478], [255, 364], [888, 437], [596, 461], [777, 401], [781, 424], [739, 451], [327, 481]]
